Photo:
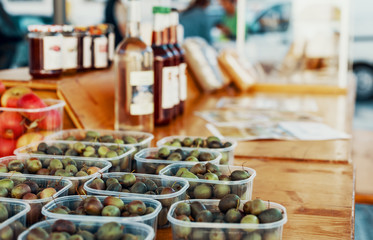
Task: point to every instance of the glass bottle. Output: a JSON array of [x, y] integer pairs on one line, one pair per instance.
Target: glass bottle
[[99, 48], [167, 38], [69, 49], [163, 72], [182, 66], [134, 100]]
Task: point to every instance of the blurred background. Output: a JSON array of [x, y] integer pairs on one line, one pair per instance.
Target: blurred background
[[284, 40]]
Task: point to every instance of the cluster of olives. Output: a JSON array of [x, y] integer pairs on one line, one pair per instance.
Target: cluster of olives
[[93, 136], [87, 150], [110, 207], [209, 142], [209, 171], [253, 212], [11, 231], [67, 230], [129, 183], [66, 167], [165, 153]]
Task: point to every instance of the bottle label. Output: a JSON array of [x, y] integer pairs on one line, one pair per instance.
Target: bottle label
[[167, 87], [175, 86], [87, 52], [52, 53], [111, 46], [100, 52], [70, 52], [183, 81], [142, 100]]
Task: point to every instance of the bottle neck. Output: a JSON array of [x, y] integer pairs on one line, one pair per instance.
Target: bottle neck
[[157, 30], [133, 30], [172, 35], [134, 19]]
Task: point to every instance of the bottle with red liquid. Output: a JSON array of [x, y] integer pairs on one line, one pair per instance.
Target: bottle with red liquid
[[174, 16], [169, 39], [163, 72]]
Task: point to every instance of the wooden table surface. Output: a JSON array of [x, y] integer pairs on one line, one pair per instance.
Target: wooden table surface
[[318, 195]]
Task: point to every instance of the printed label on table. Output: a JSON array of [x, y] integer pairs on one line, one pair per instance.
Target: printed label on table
[[142, 100], [52, 53], [100, 52], [183, 81], [167, 87], [70, 52], [87, 52]]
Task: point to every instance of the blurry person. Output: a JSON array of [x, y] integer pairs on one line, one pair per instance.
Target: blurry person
[[228, 25], [195, 20], [116, 14]]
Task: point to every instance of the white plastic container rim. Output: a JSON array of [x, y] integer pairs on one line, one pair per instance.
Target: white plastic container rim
[[215, 202], [102, 170], [53, 204], [251, 171], [72, 132], [163, 141], [23, 212], [142, 175], [54, 104], [25, 150], [67, 182], [139, 156], [48, 223]]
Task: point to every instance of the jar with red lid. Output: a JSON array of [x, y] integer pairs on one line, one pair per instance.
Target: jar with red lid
[[45, 51], [84, 48], [69, 49], [99, 48]]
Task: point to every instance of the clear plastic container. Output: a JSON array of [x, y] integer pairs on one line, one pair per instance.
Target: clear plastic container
[[16, 221], [121, 163], [165, 199], [142, 230], [20, 126], [144, 163], [271, 231], [242, 188], [72, 202], [227, 152], [77, 182], [61, 185]]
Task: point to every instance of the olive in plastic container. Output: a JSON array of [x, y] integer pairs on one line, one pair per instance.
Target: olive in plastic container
[[35, 190], [77, 170], [73, 203], [178, 185], [218, 188], [117, 154], [91, 228], [148, 160], [13, 218], [191, 230], [226, 150]]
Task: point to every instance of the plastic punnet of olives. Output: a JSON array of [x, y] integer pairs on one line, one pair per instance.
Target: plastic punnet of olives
[[228, 218], [12, 219], [153, 160], [76, 170], [212, 142], [89, 207], [210, 181], [119, 155], [167, 190], [92, 230]]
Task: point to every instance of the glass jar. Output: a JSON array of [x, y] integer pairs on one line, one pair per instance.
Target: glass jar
[[108, 31], [45, 51], [69, 49], [99, 48], [84, 48]]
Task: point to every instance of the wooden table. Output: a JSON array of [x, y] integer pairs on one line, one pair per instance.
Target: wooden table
[[314, 180]]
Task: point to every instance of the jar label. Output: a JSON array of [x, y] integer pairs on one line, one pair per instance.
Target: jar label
[[175, 85], [52, 57], [167, 87], [111, 46], [70, 52], [87, 52], [183, 81], [100, 52], [142, 100]]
